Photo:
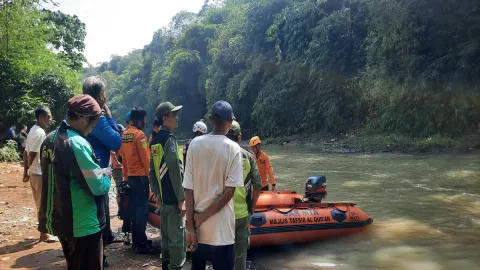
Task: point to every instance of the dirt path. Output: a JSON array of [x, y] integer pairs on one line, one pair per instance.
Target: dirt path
[[19, 245]]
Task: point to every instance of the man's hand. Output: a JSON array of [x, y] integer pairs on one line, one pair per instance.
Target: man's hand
[[108, 113], [192, 241], [26, 177], [158, 202], [106, 171], [181, 207]]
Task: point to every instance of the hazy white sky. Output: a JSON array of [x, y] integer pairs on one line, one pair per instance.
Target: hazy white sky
[[118, 26]]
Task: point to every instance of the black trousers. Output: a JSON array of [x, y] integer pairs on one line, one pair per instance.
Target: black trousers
[[125, 211], [107, 232], [138, 206], [222, 257], [83, 252]]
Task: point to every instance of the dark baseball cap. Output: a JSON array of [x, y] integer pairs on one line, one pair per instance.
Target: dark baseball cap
[[166, 107], [235, 129], [84, 105], [223, 111]]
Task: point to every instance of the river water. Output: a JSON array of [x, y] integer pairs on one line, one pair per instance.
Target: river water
[[426, 210]]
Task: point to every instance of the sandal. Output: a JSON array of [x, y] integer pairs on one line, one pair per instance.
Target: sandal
[[50, 239]]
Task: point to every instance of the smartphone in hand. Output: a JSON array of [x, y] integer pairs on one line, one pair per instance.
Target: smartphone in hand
[[107, 171]]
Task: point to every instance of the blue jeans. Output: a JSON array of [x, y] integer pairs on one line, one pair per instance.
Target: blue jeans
[[222, 257], [138, 206]]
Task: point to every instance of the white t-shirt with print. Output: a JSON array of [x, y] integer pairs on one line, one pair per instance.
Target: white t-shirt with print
[[35, 138], [213, 163]]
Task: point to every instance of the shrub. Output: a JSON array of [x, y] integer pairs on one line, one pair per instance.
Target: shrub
[[8, 152]]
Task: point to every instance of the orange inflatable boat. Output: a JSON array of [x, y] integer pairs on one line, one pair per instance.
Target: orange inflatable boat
[[287, 217]]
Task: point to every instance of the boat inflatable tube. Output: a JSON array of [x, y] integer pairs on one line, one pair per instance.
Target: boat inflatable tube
[[286, 217]]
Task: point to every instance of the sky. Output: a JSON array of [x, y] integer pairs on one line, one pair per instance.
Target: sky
[[119, 26]]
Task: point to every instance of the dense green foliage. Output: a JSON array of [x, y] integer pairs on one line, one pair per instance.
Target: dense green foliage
[[9, 152], [293, 66], [40, 60]]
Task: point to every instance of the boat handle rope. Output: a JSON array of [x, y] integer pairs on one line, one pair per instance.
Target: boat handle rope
[[336, 208], [276, 210], [283, 212], [312, 206]]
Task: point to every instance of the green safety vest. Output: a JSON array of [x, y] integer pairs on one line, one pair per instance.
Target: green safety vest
[[240, 195], [159, 163], [157, 156]]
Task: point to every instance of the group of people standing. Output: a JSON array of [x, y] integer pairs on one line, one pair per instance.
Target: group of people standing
[[20, 138], [204, 202]]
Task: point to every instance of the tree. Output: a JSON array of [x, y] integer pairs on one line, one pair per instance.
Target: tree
[[68, 36], [30, 73], [301, 66]]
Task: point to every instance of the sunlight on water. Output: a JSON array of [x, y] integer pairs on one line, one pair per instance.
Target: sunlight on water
[[453, 199], [476, 223], [324, 264], [470, 204], [275, 157], [465, 174], [405, 258], [360, 183], [382, 175], [400, 228]]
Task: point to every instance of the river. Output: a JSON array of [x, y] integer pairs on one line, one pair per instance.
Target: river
[[426, 210]]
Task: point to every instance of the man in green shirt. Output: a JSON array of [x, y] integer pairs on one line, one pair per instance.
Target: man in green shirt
[[243, 200], [166, 182], [73, 184]]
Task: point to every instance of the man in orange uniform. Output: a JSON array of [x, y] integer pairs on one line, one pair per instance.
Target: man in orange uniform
[[136, 162], [264, 165]]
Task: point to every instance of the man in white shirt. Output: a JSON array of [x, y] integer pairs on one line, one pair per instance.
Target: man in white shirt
[[31, 160], [213, 171]]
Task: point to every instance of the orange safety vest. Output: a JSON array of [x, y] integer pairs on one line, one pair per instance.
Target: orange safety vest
[[265, 169], [134, 152]]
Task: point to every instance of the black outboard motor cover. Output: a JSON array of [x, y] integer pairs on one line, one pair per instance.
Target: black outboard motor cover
[[316, 188]]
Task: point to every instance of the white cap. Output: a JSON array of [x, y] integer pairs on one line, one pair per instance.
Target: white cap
[[200, 126]]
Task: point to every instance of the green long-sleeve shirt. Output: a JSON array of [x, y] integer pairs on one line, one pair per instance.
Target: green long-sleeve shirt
[[72, 186]]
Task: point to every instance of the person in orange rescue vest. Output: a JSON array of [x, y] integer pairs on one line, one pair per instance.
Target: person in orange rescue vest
[[136, 163], [264, 165]]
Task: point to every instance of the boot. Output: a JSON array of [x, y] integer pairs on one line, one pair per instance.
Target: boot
[[126, 240], [165, 265], [146, 249], [105, 262]]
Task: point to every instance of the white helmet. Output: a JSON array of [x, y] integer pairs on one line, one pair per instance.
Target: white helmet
[[200, 126]]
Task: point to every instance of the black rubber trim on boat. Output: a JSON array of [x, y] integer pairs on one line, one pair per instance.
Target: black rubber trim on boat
[[304, 227], [310, 227]]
